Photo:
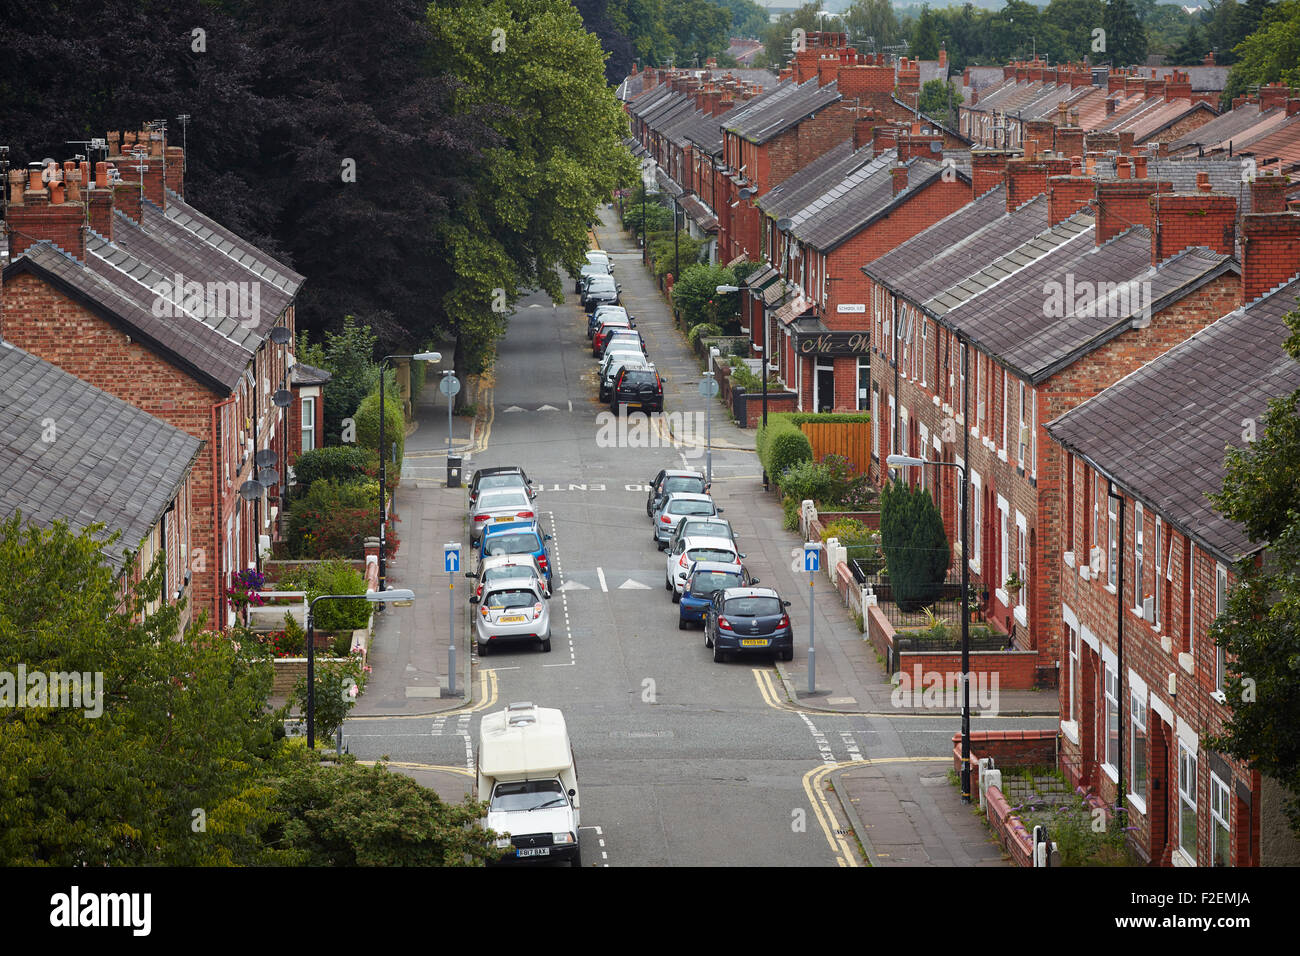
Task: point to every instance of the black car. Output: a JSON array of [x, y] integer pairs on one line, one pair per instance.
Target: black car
[[590, 269], [601, 290], [637, 388], [510, 476], [748, 621], [670, 481]]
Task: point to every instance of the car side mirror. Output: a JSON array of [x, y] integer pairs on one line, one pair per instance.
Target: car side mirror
[[469, 574], [742, 555], [572, 792], [546, 537], [753, 581], [473, 599], [721, 510], [785, 603]]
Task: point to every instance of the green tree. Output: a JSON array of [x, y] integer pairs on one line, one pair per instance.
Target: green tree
[[696, 296], [700, 29], [1126, 40], [537, 75], [748, 19], [1260, 629], [171, 771], [777, 39], [1074, 21], [936, 96], [353, 815], [349, 356], [1193, 48], [642, 21], [1223, 29], [1270, 54], [925, 36], [872, 23], [916, 548]]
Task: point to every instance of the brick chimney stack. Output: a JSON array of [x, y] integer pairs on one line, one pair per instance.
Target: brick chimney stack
[[1268, 193], [1202, 218], [988, 169], [900, 178], [1066, 195], [1026, 178], [1122, 203], [1272, 96], [1270, 252], [40, 210]]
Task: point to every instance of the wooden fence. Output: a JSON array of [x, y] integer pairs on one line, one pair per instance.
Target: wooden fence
[[850, 439]]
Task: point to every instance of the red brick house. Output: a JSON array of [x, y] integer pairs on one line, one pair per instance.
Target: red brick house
[[127, 287], [977, 348], [1145, 564]]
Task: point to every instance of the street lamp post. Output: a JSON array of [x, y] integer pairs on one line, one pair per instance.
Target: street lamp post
[[398, 596], [383, 459], [907, 461]]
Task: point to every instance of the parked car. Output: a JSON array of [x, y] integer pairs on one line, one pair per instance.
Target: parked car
[[595, 318], [612, 364], [671, 480], [706, 577], [521, 537], [514, 610], [508, 476], [504, 567], [590, 269], [601, 290], [675, 507], [748, 620], [702, 527], [689, 551], [600, 255], [637, 388], [609, 324], [618, 337], [499, 506]]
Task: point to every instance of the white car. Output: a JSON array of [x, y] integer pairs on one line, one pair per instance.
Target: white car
[[673, 509], [511, 610], [499, 506], [498, 568], [602, 257], [690, 550]]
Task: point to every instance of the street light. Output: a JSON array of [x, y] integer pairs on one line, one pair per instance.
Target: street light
[[907, 461], [402, 597], [383, 459]]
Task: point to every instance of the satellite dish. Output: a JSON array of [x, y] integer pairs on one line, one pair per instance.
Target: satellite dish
[[267, 477], [266, 458], [282, 398], [785, 225], [746, 193], [280, 335], [250, 490]]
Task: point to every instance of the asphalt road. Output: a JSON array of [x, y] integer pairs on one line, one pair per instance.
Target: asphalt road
[[681, 761]]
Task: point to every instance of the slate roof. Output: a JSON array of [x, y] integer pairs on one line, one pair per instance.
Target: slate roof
[[958, 245], [1231, 126], [109, 462], [789, 104], [304, 374], [699, 212], [650, 100], [1169, 454], [1003, 308], [1227, 175], [800, 188]]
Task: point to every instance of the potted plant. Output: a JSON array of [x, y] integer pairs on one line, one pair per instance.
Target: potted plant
[[1013, 584]]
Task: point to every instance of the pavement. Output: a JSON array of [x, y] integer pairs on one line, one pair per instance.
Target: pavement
[[903, 809]]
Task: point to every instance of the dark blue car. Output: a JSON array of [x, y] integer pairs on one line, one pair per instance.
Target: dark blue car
[[704, 578], [518, 537]]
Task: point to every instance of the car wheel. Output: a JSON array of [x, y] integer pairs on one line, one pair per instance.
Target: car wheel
[[546, 645], [668, 585], [708, 641], [482, 648], [718, 655], [681, 623], [787, 655], [577, 858], [677, 598]]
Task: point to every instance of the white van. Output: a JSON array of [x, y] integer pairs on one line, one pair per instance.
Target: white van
[[527, 776]]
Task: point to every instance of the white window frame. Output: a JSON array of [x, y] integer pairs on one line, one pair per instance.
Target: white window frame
[[924, 434], [1004, 569], [308, 415], [1139, 556], [1006, 385], [1220, 655], [976, 494], [1020, 445], [1187, 799], [1112, 542], [1138, 733], [1074, 676], [875, 421], [1022, 568], [1220, 817], [893, 426], [921, 349], [979, 398], [1110, 718], [1159, 552]]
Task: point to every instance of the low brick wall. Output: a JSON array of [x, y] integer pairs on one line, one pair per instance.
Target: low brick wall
[[1015, 669], [273, 570], [747, 407], [869, 518], [1008, 748]]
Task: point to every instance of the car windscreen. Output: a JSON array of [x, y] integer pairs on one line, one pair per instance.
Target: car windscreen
[[691, 508], [684, 484], [494, 500], [704, 583], [753, 606], [601, 283], [710, 554], [510, 480], [507, 571], [522, 542], [527, 795], [706, 529], [515, 597]]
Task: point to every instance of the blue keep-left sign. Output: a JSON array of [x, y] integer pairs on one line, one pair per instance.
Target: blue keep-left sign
[[451, 557], [812, 557]]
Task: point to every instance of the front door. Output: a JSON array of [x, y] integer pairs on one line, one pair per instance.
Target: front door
[[824, 388]]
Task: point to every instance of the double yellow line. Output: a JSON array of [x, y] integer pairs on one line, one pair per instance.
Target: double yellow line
[[487, 697]]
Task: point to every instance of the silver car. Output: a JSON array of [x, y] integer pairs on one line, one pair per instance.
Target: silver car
[[512, 610], [498, 505], [615, 362], [706, 527], [498, 568], [674, 508], [690, 550]]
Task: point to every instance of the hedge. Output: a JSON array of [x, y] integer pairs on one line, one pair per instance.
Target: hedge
[[706, 329], [341, 463], [332, 577], [333, 519], [786, 450], [367, 422]]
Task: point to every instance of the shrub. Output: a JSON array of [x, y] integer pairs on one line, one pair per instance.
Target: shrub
[[367, 422], [706, 329], [666, 257], [849, 531], [786, 449], [740, 348], [338, 577], [741, 376], [332, 697], [696, 297], [777, 425], [341, 463], [915, 545], [805, 480], [333, 519]]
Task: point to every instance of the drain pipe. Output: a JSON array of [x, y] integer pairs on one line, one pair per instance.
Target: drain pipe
[[1119, 641]]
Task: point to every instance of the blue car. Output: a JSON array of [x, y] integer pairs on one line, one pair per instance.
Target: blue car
[[518, 537], [703, 579]]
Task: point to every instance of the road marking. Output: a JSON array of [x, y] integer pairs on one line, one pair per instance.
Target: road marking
[[817, 798], [600, 834], [571, 586], [545, 408], [600, 573], [630, 585], [819, 738], [850, 744], [461, 771], [512, 408]]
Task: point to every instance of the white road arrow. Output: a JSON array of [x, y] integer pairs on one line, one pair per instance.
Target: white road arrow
[[630, 585], [548, 408], [512, 408], [572, 586]]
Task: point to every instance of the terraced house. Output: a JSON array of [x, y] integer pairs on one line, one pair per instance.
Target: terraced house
[[122, 284]]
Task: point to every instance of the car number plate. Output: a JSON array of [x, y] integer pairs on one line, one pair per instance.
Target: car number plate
[[534, 851], [512, 619], [753, 643], [504, 518]]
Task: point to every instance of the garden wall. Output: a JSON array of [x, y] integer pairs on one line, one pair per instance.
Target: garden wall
[[1015, 669], [1008, 748]]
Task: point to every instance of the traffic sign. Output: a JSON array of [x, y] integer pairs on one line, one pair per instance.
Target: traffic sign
[[709, 387], [812, 556], [451, 557], [449, 385]]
